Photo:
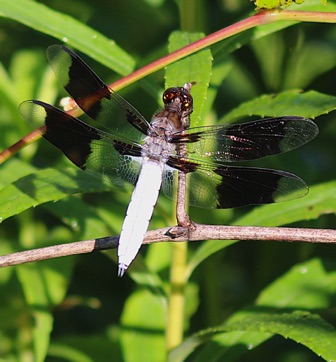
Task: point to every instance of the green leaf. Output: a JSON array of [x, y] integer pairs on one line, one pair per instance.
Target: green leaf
[[312, 5], [296, 290], [194, 68], [68, 353], [205, 250], [309, 285], [303, 327], [81, 217], [283, 69], [7, 90], [321, 200], [143, 323], [70, 31], [314, 60], [44, 285], [82, 347], [86, 347], [309, 104], [43, 186], [271, 4], [146, 278], [14, 169], [158, 256]]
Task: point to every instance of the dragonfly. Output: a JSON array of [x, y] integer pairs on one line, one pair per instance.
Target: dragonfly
[[127, 147]]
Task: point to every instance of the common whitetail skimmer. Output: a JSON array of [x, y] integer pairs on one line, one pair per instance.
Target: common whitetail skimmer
[[151, 153]]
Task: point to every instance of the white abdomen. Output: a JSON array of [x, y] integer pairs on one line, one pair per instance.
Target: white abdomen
[[139, 212]]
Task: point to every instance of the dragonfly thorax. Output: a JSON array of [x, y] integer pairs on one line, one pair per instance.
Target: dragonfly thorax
[[157, 148], [165, 123]]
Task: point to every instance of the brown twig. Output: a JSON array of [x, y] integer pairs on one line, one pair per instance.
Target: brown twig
[[197, 233]]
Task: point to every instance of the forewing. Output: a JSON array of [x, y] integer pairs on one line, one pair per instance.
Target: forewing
[[94, 97], [247, 141], [87, 147]]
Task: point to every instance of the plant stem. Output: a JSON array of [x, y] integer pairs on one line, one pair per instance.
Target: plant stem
[[175, 323], [261, 18], [17, 146]]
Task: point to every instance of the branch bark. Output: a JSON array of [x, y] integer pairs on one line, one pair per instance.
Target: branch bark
[[198, 232]]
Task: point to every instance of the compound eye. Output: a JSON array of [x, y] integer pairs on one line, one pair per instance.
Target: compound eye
[[187, 102], [169, 95]]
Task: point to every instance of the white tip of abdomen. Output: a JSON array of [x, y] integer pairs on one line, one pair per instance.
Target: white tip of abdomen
[[121, 269]]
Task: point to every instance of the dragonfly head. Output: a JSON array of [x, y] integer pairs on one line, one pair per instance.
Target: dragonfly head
[[179, 99]]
